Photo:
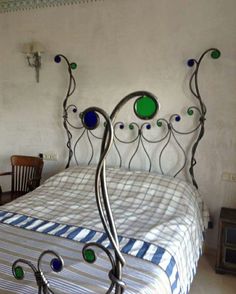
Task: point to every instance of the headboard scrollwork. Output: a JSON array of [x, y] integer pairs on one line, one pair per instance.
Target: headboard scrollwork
[[140, 139]]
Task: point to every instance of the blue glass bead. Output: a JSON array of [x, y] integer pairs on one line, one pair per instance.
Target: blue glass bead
[[148, 126], [190, 62], [57, 59], [90, 120], [121, 126], [177, 118], [56, 265], [74, 109]]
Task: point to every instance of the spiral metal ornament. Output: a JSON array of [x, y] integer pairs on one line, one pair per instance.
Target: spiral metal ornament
[[194, 88], [71, 88], [103, 203], [43, 285]]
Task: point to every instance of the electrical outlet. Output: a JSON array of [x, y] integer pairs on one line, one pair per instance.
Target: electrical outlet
[[227, 176], [233, 177], [48, 156]]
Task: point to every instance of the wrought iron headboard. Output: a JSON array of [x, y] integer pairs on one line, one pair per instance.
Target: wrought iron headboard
[[140, 139]]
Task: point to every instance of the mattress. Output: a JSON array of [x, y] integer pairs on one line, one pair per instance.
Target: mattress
[[163, 218]]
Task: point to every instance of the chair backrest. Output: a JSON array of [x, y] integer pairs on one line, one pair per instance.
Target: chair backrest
[[26, 173]]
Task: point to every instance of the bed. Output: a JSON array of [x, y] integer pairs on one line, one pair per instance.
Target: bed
[[138, 231]]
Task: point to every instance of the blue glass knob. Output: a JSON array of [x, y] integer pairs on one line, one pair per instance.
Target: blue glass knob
[[90, 120], [122, 126], [190, 62], [57, 59], [148, 126], [56, 265], [177, 118]]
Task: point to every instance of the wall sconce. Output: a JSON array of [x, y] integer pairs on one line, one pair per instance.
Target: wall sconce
[[33, 53]]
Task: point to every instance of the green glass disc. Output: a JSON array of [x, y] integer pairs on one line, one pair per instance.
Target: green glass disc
[[89, 255], [190, 112], [131, 127], [215, 54], [19, 273], [145, 107], [159, 123], [73, 65]]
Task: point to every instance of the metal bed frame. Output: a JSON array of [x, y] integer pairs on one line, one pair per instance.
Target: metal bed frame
[[145, 107]]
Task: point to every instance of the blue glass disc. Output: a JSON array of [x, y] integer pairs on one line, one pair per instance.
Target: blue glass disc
[[90, 120], [190, 62], [57, 59], [177, 118], [56, 265], [148, 126]]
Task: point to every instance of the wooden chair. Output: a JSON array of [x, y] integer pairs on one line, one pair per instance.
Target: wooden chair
[[25, 176]]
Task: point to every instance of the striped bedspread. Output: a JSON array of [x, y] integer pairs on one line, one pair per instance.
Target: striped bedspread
[[159, 219]]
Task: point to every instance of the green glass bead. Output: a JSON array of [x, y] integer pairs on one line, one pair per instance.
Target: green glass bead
[[215, 54], [190, 112], [73, 65], [19, 273], [131, 127], [159, 123], [145, 107], [89, 255]]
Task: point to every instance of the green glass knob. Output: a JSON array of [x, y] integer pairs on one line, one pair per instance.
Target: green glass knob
[[146, 107], [89, 255], [19, 273], [215, 54], [131, 127], [190, 111], [73, 65], [159, 123]]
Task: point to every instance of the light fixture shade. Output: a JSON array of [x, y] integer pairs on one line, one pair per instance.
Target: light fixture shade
[[33, 47], [37, 47]]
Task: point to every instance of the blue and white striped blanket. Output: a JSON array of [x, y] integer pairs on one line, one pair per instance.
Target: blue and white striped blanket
[[137, 248], [158, 218]]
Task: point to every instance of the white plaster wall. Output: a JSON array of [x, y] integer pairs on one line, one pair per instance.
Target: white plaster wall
[[121, 46]]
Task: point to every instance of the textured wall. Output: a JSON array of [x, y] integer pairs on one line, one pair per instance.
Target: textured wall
[[121, 46]]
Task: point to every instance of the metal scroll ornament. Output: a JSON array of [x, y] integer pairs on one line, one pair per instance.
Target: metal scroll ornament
[[42, 283], [171, 135], [145, 106], [71, 88], [194, 88]]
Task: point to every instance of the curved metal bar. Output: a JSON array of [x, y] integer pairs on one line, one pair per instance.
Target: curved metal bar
[[42, 283], [91, 145], [162, 150], [182, 149], [149, 159], [135, 151], [102, 175], [118, 152], [102, 197], [196, 92], [70, 91], [132, 125], [158, 140], [75, 145], [111, 274]]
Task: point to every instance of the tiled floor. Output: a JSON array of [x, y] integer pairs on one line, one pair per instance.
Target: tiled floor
[[207, 281]]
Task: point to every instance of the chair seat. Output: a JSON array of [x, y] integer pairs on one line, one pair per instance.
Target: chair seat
[[8, 196]]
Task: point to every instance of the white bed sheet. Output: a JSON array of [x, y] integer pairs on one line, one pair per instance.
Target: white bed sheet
[[161, 210]]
